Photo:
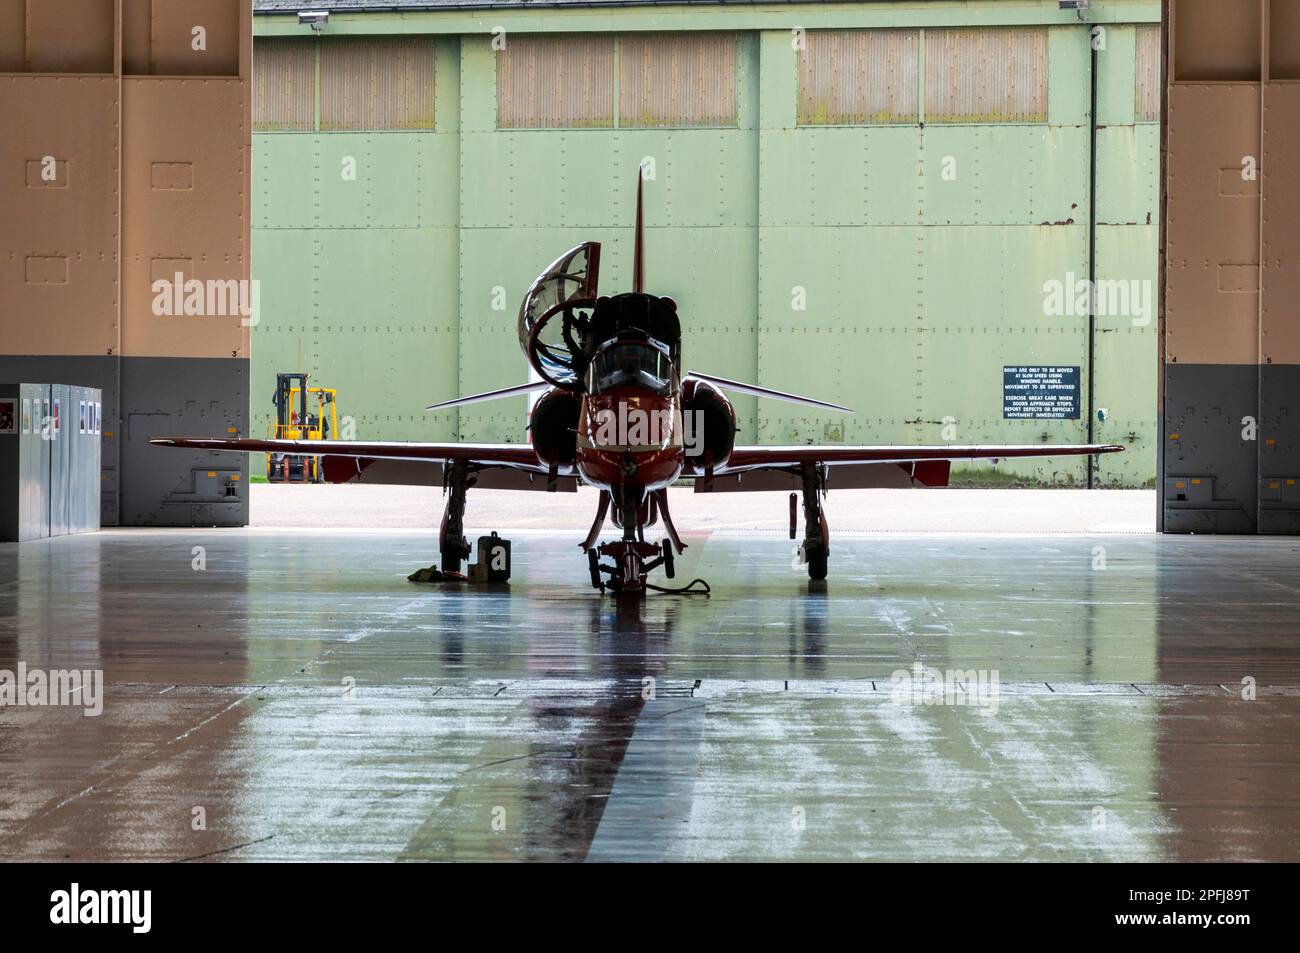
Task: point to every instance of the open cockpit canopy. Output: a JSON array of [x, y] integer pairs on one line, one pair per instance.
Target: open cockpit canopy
[[551, 321], [563, 322]]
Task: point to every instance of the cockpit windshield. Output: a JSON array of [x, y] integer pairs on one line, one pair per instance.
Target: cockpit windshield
[[631, 364]]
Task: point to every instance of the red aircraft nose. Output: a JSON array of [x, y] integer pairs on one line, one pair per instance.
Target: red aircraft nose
[[629, 436]]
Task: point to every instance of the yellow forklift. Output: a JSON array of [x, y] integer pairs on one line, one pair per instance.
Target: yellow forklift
[[293, 421]]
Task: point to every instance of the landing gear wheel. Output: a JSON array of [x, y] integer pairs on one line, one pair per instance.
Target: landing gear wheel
[[667, 547], [631, 580], [816, 557], [593, 563]]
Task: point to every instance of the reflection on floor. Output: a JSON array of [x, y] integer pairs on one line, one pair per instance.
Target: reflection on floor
[[282, 694]]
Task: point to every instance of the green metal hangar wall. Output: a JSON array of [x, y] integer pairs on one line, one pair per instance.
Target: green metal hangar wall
[[896, 206]]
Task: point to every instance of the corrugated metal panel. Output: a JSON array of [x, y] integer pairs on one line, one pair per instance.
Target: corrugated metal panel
[[1283, 39], [13, 40], [59, 270], [137, 28], [183, 172], [55, 45], [556, 82], [677, 79], [859, 76], [376, 83], [986, 75], [172, 49], [1212, 220], [1208, 46], [284, 85], [1279, 317], [1146, 106]]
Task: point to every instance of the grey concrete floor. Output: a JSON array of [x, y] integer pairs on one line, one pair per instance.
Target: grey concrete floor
[[297, 698], [876, 511]]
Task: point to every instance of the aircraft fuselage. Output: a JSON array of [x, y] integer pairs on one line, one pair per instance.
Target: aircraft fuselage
[[630, 438]]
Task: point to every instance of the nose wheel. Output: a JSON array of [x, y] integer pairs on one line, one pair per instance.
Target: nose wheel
[[630, 562]]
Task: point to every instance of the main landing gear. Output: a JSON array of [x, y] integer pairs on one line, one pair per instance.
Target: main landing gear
[[453, 547], [632, 558], [817, 535]]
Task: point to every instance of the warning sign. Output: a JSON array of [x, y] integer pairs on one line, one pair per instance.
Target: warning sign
[[1032, 392]]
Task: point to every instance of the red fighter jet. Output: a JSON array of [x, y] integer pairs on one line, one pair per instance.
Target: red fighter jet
[[618, 413]]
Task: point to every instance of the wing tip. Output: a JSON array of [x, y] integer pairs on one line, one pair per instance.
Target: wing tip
[[164, 441]]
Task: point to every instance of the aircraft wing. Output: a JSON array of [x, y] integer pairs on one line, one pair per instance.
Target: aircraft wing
[[345, 461], [519, 455], [771, 468], [750, 458], [756, 391]]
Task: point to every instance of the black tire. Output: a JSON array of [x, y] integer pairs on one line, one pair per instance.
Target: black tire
[[593, 563], [817, 562], [669, 570], [450, 559]]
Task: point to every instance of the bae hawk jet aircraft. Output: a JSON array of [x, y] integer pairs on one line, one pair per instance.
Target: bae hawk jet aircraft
[[619, 413]]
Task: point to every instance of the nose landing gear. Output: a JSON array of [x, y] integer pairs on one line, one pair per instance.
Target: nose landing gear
[[632, 562], [633, 559]]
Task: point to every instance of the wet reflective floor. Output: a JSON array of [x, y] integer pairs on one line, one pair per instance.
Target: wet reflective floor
[[288, 694]]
